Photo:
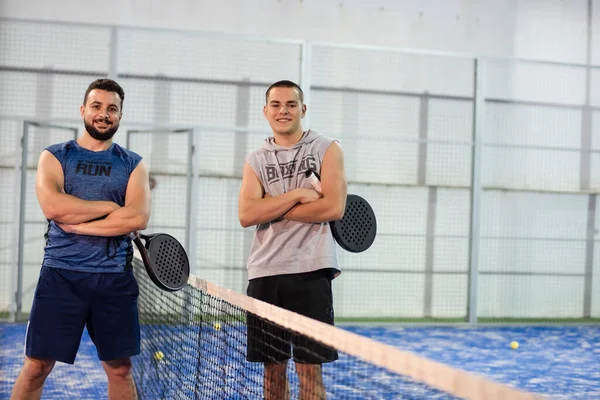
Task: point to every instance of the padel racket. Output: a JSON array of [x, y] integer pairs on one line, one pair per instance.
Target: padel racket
[[165, 260], [356, 231]]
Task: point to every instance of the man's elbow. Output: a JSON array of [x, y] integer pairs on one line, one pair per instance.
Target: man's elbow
[[246, 216], [245, 221], [141, 223], [53, 213], [50, 215], [337, 212]]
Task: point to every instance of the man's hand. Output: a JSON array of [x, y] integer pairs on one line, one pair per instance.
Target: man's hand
[[308, 195], [305, 196], [67, 228]]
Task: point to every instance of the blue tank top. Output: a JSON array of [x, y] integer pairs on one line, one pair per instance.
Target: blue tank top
[[91, 175]]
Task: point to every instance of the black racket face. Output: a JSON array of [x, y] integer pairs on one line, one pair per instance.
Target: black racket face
[[356, 231], [170, 267]]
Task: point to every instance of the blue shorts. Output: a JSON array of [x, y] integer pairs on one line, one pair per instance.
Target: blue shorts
[[65, 301]]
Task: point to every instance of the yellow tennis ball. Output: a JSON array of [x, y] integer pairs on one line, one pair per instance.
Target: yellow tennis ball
[[158, 356], [217, 326], [514, 345]]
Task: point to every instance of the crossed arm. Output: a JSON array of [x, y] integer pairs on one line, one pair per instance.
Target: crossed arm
[[332, 204], [72, 213], [301, 204]]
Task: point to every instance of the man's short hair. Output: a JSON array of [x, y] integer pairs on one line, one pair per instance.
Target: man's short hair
[[105, 84], [287, 84]]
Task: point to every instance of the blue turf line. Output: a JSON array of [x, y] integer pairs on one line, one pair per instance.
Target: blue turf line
[[561, 362]]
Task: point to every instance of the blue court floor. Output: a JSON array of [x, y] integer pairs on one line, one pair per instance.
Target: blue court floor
[[559, 362]]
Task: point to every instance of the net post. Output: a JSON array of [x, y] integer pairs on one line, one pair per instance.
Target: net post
[[474, 234]]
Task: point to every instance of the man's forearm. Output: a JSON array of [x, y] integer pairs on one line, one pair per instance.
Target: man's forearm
[[68, 209], [322, 210], [120, 222], [267, 209]]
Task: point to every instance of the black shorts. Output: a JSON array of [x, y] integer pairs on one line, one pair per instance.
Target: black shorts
[[308, 294]]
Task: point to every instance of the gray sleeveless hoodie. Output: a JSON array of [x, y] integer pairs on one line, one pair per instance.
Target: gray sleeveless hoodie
[[282, 246]]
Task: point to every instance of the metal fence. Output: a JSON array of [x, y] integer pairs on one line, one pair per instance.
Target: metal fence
[[481, 171]]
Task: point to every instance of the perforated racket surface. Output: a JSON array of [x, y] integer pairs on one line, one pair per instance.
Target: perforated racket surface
[[165, 260], [356, 231]]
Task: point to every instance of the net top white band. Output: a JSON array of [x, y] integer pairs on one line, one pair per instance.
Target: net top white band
[[451, 380]]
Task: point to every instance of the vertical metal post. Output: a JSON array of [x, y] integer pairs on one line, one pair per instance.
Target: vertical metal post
[[242, 119], [432, 203], [14, 262], [429, 251], [305, 78], [43, 109], [189, 208], [113, 61], [474, 237], [589, 52], [23, 196], [585, 157], [161, 115], [350, 133], [585, 172], [423, 131], [589, 256], [191, 217]]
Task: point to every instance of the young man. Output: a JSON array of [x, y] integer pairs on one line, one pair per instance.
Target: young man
[[93, 193], [293, 257]]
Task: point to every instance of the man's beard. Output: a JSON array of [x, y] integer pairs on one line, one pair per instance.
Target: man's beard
[[102, 136]]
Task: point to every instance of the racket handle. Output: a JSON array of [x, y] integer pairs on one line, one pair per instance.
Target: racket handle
[[314, 181]]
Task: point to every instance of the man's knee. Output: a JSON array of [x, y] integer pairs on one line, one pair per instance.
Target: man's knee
[[311, 373], [36, 368], [276, 367], [118, 369], [309, 368]]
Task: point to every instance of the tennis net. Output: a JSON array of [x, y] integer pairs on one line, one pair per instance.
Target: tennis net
[[194, 345]]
